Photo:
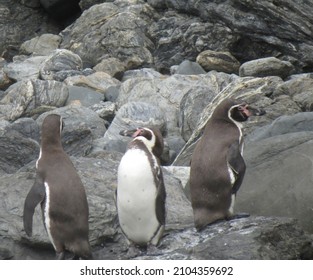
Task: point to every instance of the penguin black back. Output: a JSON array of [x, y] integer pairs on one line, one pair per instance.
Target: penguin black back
[[60, 192], [217, 166]]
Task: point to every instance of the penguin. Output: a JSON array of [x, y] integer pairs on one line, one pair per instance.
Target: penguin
[[59, 190], [140, 190], [217, 166]]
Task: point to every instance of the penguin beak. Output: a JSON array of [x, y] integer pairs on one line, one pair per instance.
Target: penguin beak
[[252, 111], [131, 133], [249, 111]]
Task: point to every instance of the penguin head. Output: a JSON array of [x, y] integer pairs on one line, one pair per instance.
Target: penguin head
[[51, 129], [151, 137], [236, 110]]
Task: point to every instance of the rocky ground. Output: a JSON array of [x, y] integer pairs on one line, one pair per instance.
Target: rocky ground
[[112, 65]]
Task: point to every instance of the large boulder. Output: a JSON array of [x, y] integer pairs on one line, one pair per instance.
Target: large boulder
[[278, 180], [122, 35]]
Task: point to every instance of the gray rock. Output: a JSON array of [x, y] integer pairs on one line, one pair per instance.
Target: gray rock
[[189, 68], [30, 97], [284, 125], [147, 73], [5, 81], [105, 110], [130, 116], [255, 238], [60, 60], [112, 66], [180, 36], [85, 96], [17, 98], [82, 126], [194, 101], [218, 61], [41, 45], [27, 69], [278, 178], [111, 94], [16, 150], [27, 127], [122, 34], [14, 18], [167, 93], [98, 81], [263, 67], [299, 88]]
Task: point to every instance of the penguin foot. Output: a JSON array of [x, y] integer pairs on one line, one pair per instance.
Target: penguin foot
[[238, 216]]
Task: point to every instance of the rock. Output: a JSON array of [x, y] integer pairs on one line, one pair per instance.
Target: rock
[[168, 92], [14, 18], [16, 150], [255, 238], [27, 127], [284, 125], [123, 34], [5, 81], [218, 61], [98, 81], [60, 60], [299, 88], [113, 66], [30, 97], [277, 181], [279, 167], [147, 73], [27, 69], [189, 68], [41, 45], [179, 36], [111, 93], [16, 100], [263, 67], [194, 101], [130, 116], [85, 96], [82, 126], [105, 110]]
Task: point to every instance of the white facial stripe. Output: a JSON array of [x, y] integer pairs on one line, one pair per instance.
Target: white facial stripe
[[40, 153], [238, 124], [46, 213], [61, 124]]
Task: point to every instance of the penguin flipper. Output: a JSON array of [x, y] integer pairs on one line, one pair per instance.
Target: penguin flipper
[[161, 195], [237, 164], [34, 197]]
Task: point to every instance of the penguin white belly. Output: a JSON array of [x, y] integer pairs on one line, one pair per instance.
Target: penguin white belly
[[46, 213], [136, 195]]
